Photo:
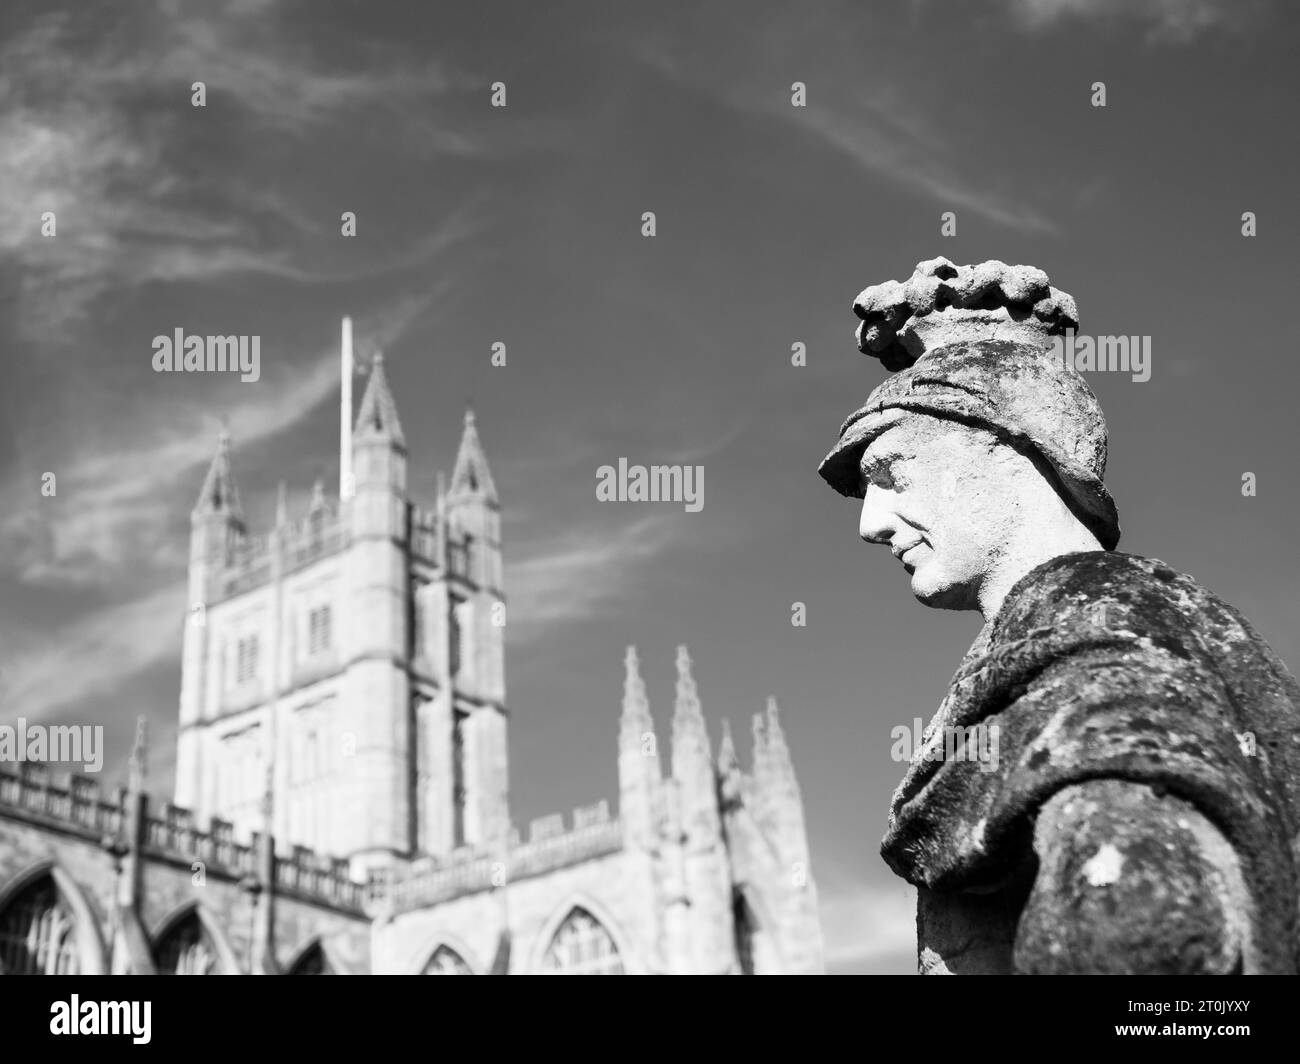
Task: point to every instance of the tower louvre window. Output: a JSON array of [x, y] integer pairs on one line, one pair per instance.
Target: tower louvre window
[[246, 659], [319, 634]]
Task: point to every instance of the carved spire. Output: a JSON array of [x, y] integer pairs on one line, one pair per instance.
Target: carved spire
[[687, 716], [780, 803], [758, 758], [693, 767], [138, 766], [281, 506], [773, 768], [727, 760], [219, 495], [471, 475], [777, 750], [636, 719], [639, 773], [729, 774], [378, 416]]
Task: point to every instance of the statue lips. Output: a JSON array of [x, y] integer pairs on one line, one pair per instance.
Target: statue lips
[[901, 554]]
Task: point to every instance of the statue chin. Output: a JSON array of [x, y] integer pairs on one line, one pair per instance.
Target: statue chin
[[940, 594]]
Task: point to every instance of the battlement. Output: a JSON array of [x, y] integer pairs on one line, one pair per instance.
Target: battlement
[[174, 837], [320, 534], [79, 809], [324, 531], [467, 870], [313, 877]]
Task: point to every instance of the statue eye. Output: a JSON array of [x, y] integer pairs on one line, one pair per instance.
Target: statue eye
[[884, 475]]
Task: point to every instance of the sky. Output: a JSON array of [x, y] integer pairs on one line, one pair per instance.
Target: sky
[[522, 225]]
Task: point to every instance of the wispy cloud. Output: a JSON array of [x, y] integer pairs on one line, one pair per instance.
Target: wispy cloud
[[98, 128], [107, 646], [877, 130], [1170, 21], [885, 143], [585, 573]]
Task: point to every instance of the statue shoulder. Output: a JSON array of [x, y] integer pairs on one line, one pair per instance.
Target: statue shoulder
[[1100, 589], [1131, 881]]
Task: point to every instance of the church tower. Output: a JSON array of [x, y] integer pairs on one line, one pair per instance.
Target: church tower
[[360, 648]]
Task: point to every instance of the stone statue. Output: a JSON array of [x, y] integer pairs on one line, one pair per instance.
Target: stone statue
[[1144, 811]]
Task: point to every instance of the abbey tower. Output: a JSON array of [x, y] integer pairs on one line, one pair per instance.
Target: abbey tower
[[357, 652]]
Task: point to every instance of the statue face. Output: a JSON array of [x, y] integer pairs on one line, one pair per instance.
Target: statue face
[[942, 496]]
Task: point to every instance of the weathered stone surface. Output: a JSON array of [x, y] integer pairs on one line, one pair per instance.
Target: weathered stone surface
[[942, 303], [1154, 690]]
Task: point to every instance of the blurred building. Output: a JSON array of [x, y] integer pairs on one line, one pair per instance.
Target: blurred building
[[341, 798]]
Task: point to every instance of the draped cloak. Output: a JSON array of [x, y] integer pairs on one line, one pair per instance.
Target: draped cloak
[[1104, 665]]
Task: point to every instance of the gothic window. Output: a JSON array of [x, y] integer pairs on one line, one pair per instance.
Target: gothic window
[[458, 776], [318, 630], [457, 635], [186, 949], [424, 771], [582, 946], [245, 659], [417, 621], [38, 933], [744, 923], [446, 961], [313, 962]]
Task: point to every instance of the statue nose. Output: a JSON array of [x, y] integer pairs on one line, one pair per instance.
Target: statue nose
[[876, 523]]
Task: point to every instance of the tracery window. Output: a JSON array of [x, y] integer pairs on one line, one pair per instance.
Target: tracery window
[[186, 949], [313, 962], [582, 946], [38, 933], [446, 961]]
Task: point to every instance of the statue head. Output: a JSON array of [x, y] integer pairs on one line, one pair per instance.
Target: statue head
[[984, 454]]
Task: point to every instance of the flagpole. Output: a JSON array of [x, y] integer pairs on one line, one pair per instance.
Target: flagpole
[[346, 488]]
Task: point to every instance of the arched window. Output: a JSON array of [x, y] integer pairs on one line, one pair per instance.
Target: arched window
[[446, 961], [38, 933], [186, 949], [582, 946], [746, 926], [313, 962]]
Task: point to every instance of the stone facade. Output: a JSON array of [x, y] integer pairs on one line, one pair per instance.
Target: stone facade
[[343, 694]]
